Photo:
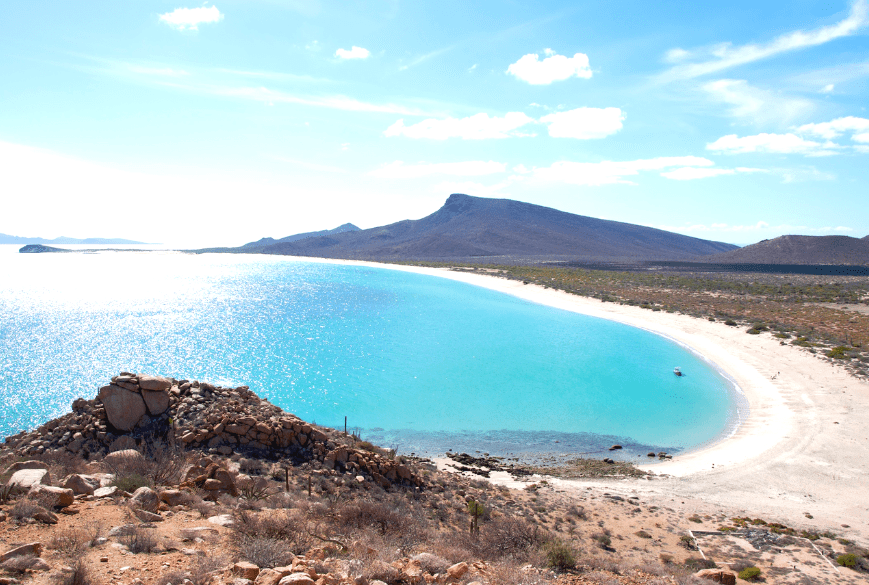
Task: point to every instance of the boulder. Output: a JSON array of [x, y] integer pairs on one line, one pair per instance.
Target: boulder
[[245, 570], [172, 497], [724, 576], [24, 479], [44, 516], [61, 497], [146, 499], [125, 458], [458, 570], [106, 492], [18, 465], [123, 408], [157, 402], [146, 516], [158, 383], [297, 579], [222, 520], [80, 484], [31, 549]]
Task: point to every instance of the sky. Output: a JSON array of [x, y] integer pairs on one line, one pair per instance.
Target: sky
[[206, 124]]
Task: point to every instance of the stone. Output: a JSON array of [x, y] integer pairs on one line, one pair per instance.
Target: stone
[[297, 579], [31, 549], [432, 563], [45, 516], [158, 383], [61, 497], [172, 497], [458, 570], [18, 465], [125, 458], [222, 520], [106, 492], [717, 576], [146, 516], [123, 408], [24, 479], [195, 532], [80, 484], [146, 499], [245, 570], [122, 530], [157, 402]]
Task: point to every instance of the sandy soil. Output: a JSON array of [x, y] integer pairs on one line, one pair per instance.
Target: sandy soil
[[803, 449]]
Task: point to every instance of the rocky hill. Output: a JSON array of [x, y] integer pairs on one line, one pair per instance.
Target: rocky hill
[[165, 481], [798, 250], [261, 243], [480, 229]]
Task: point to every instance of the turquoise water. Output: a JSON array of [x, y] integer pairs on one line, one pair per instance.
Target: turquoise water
[[418, 362]]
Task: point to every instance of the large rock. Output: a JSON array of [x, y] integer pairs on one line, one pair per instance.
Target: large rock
[[158, 383], [146, 499], [81, 484], [32, 549], [19, 465], [24, 479], [724, 576], [123, 408], [245, 570], [297, 579], [125, 458], [458, 570], [157, 402], [59, 497]]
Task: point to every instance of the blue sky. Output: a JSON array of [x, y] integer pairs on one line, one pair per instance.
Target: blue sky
[[220, 123]]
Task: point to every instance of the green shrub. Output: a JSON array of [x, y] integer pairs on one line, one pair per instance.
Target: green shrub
[[130, 482], [643, 534], [750, 574], [730, 322], [559, 556], [838, 352], [602, 539], [847, 560]]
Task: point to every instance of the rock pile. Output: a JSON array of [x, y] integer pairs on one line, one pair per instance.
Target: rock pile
[[136, 410]]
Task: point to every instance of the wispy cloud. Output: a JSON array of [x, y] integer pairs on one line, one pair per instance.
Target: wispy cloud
[[611, 172], [692, 173], [837, 127], [530, 69], [353, 53], [725, 55], [584, 123], [755, 104], [191, 18], [423, 58], [476, 127], [474, 168], [771, 143]]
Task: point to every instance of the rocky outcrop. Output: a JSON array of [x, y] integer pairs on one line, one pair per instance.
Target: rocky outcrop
[[136, 411]]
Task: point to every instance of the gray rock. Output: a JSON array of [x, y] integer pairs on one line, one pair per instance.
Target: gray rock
[[222, 520], [158, 383], [80, 484], [25, 465], [202, 532], [61, 497], [24, 479], [157, 402], [105, 492], [146, 499], [297, 579], [123, 408], [123, 530], [30, 549], [146, 516], [172, 497], [127, 457]]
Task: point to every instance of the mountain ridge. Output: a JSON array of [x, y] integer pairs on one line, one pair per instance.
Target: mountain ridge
[[474, 228], [63, 240], [795, 249]]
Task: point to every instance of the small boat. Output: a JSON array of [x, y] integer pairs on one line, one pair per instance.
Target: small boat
[[677, 371]]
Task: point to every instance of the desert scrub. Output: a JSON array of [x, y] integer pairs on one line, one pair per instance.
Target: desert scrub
[[602, 539], [643, 534], [847, 560], [559, 555], [838, 353], [130, 482], [750, 574]]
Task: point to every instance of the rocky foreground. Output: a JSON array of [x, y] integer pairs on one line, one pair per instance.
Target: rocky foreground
[[165, 481]]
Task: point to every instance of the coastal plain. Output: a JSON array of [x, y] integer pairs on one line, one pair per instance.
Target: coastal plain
[[801, 450]]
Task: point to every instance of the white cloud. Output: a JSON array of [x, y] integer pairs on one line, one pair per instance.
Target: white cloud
[[353, 53], [530, 69], [612, 172], [757, 104], [725, 55], [584, 123], [828, 88], [399, 170], [691, 173], [864, 137], [191, 18], [772, 143], [835, 128], [476, 127]]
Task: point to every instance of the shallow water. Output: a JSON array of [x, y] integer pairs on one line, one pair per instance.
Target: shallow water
[[413, 361]]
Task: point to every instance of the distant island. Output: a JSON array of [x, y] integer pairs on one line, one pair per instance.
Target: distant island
[[63, 240]]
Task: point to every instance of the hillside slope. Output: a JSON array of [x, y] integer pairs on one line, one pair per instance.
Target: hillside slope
[[474, 228], [799, 250]]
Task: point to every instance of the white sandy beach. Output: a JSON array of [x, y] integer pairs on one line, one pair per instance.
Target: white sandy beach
[[802, 449]]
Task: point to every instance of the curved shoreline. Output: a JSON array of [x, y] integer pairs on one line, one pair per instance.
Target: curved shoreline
[[802, 454]]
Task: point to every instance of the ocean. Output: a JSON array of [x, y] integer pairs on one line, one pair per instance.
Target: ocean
[[415, 362]]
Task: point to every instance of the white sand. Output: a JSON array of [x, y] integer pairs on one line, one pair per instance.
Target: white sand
[[804, 447]]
